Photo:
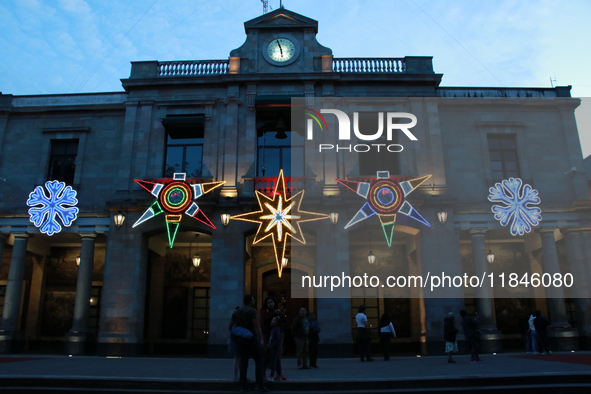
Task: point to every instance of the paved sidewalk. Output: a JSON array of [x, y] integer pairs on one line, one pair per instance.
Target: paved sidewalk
[[347, 369]]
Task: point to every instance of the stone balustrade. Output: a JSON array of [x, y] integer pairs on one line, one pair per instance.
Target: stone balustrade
[[369, 65], [197, 68]]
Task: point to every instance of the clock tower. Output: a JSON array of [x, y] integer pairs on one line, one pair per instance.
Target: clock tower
[[280, 41]]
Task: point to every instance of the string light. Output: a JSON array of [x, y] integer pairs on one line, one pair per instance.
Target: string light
[[175, 198], [279, 218]]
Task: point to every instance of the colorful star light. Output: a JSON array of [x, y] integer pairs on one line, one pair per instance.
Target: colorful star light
[[385, 198], [174, 198], [279, 218]]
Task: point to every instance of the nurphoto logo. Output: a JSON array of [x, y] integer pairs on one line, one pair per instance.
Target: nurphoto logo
[[344, 130]]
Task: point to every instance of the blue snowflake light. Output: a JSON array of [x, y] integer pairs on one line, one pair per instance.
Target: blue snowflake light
[[516, 207], [61, 203]]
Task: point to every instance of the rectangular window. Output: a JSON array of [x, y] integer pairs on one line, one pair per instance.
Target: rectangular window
[[373, 161], [275, 154], [184, 145], [62, 161], [503, 156], [200, 313]]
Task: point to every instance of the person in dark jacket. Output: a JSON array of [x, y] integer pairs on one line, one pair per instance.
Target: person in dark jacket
[[541, 324], [275, 348], [313, 338], [449, 335], [472, 333], [300, 329]]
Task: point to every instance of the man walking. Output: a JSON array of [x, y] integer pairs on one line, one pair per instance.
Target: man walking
[[249, 345], [300, 329], [472, 333]]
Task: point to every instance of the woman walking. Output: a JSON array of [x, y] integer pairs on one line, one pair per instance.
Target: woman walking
[[387, 332]]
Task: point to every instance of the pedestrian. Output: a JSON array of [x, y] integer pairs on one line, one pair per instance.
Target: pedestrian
[[450, 333], [275, 341], [247, 332], [313, 338], [233, 349], [387, 332], [525, 333], [534, 334], [472, 333], [300, 330], [363, 334], [268, 312], [541, 324]]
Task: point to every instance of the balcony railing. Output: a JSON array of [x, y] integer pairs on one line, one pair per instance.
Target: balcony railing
[[197, 68], [369, 65], [268, 184]]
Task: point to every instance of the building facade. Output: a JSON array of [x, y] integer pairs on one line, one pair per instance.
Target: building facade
[[228, 120]]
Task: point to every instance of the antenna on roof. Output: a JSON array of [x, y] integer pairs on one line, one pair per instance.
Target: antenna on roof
[[280, 3], [265, 6], [553, 81]]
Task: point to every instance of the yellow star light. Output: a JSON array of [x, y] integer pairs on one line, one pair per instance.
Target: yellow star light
[[277, 222]]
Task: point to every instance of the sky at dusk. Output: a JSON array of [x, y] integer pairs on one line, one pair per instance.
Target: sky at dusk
[[77, 46]]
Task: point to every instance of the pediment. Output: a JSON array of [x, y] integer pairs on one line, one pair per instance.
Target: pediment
[[281, 18]]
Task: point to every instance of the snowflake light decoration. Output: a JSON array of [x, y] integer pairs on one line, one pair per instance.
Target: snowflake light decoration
[[175, 198], [60, 203], [279, 218], [385, 198], [516, 207]]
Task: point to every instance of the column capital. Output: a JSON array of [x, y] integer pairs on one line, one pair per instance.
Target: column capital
[[478, 231], [22, 235], [87, 235], [570, 230], [546, 230]]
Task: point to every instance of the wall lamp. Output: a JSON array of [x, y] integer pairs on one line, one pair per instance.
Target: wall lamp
[[119, 218]]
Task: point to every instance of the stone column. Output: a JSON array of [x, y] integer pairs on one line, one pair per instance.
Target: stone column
[[490, 338], [76, 340], [2, 243], [10, 337], [334, 307], [227, 283], [124, 292], [562, 336], [230, 142], [438, 251], [577, 263]]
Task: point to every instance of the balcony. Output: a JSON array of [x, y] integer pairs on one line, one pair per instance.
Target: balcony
[[267, 185]]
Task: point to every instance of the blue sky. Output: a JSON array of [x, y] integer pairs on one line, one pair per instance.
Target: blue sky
[[72, 46]]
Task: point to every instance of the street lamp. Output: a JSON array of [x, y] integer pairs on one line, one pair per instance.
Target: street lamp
[[119, 218], [225, 219], [442, 216], [334, 217], [371, 258]]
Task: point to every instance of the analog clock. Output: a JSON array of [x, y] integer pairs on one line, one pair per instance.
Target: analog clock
[[281, 51]]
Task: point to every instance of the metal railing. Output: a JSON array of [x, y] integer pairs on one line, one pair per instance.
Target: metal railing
[[369, 65], [196, 68]]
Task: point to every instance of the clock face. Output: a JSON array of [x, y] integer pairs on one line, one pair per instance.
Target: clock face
[[281, 50]]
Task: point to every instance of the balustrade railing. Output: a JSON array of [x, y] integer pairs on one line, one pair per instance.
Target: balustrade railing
[[195, 68], [369, 65], [268, 184]]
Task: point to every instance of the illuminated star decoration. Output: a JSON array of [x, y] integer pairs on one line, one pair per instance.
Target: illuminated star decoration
[[279, 218], [516, 207], [385, 198], [174, 198], [60, 196]]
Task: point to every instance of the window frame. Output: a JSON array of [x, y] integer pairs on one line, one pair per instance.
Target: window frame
[[503, 151]]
